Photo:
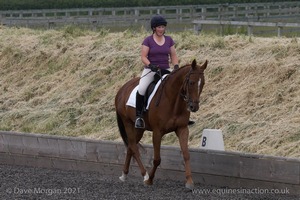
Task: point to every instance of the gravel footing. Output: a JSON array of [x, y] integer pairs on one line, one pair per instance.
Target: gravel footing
[[19, 182]]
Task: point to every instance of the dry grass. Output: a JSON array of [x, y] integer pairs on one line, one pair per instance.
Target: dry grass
[[64, 82]]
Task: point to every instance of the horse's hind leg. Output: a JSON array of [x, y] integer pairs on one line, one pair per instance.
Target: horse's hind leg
[[132, 150], [128, 159], [136, 155], [126, 165]]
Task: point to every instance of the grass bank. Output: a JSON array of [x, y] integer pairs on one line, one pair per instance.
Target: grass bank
[[63, 82]]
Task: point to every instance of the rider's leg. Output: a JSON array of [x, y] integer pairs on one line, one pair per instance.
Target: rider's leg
[[146, 78], [139, 121]]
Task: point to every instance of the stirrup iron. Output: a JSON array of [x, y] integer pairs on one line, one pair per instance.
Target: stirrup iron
[[139, 123]]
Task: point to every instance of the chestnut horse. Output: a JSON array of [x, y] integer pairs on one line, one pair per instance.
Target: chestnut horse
[[169, 110]]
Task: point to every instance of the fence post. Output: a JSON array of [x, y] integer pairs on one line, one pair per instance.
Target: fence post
[[136, 15], [197, 28], [222, 29], [203, 13], [279, 29], [250, 30], [158, 11], [191, 13], [179, 14]]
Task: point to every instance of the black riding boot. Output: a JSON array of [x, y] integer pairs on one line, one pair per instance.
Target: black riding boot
[[139, 105]]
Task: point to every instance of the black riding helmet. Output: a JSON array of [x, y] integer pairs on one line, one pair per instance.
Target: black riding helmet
[[158, 20]]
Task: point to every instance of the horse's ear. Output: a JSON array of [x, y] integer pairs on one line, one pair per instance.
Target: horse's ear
[[194, 64], [204, 65]]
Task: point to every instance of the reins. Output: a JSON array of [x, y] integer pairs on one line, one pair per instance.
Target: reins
[[146, 74], [163, 81], [162, 84], [184, 91]]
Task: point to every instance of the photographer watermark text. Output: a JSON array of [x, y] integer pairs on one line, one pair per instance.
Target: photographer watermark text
[[39, 190], [221, 191]]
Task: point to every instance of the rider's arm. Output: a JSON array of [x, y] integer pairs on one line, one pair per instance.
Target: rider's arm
[[173, 55], [144, 55]]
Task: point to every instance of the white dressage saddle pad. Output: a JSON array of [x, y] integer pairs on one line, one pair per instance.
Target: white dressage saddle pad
[[132, 97]]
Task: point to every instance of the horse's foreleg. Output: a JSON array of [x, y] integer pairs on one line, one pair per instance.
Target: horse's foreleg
[[156, 138], [183, 135]]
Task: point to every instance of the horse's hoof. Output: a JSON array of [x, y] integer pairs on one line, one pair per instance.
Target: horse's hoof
[[146, 177], [148, 182], [123, 178], [189, 186]]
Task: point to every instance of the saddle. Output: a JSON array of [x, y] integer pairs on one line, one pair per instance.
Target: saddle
[[161, 74], [158, 75]]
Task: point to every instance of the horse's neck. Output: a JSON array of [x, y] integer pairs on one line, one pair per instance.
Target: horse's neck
[[174, 86]]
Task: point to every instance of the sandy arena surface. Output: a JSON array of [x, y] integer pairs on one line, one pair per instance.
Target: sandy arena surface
[[18, 182]]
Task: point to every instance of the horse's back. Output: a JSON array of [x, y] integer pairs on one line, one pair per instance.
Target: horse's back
[[124, 93]]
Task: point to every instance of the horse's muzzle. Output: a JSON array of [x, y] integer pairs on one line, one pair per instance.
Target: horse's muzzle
[[193, 106]]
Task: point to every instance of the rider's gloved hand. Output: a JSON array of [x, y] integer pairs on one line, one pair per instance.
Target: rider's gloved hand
[[153, 68]]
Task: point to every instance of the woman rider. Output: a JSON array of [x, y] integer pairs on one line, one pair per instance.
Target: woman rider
[[157, 50]]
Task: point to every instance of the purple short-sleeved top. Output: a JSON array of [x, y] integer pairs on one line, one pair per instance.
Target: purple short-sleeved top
[[159, 55]]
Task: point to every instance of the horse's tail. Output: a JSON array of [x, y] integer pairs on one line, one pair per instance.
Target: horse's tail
[[122, 129]]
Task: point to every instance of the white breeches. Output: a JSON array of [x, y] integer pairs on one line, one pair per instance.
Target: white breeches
[[146, 78]]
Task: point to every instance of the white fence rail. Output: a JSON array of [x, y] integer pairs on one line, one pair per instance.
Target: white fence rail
[[279, 25], [141, 15]]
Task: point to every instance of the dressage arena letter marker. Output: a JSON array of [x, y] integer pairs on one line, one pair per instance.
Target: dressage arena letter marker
[[212, 139], [204, 141]]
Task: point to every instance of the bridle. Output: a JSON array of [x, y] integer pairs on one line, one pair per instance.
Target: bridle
[[185, 89], [185, 93]]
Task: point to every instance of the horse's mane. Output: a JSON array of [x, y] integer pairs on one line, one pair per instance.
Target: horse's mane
[[181, 68], [175, 71]]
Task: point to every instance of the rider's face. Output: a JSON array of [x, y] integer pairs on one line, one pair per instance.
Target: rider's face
[[160, 30]]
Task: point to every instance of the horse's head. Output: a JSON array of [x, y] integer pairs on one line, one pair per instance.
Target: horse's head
[[193, 85]]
